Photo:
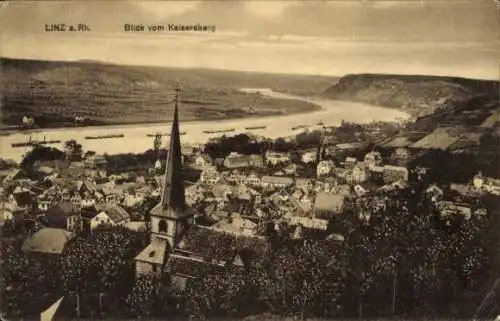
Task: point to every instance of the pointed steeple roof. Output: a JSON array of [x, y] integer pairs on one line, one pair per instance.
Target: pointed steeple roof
[[173, 200], [173, 188]]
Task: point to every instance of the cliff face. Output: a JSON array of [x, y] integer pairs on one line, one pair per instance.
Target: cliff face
[[417, 95]]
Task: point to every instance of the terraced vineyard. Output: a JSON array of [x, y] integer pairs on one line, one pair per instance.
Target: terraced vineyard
[[54, 93]]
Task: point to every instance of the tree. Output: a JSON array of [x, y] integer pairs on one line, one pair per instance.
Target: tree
[[73, 150], [40, 153], [102, 262], [408, 251], [140, 301], [303, 279], [28, 282], [219, 292]]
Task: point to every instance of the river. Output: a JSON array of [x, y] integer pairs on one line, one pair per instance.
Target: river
[[135, 138]]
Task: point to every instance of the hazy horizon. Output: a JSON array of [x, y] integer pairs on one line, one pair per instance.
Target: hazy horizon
[[443, 38]]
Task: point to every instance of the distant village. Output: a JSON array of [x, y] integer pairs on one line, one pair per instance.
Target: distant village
[[241, 196]]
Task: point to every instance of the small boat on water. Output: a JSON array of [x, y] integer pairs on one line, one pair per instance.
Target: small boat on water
[[255, 127], [164, 134], [320, 123], [32, 142], [219, 131], [105, 136], [298, 127]]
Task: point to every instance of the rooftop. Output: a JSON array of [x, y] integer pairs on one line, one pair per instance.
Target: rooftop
[[154, 253], [48, 240]]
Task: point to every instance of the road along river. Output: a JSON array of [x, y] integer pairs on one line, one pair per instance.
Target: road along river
[[135, 138]]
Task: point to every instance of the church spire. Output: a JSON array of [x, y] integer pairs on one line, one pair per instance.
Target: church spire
[[173, 196]]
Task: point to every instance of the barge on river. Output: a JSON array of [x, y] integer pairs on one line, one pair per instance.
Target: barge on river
[[105, 136], [255, 127], [219, 131], [32, 142], [164, 134]]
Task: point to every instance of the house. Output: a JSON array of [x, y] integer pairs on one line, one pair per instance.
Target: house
[[394, 173], [401, 155], [290, 169], [397, 185], [235, 160], [325, 168], [202, 161], [276, 181], [209, 175], [328, 203], [21, 202], [298, 194], [344, 147], [360, 190], [275, 158], [237, 225], [137, 226], [309, 222], [6, 215], [478, 181], [76, 198], [350, 162], [245, 193], [131, 200], [65, 216], [87, 215], [143, 191], [96, 173], [194, 193], [487, 184], [46, 200], [463, 189], [236, 177], [107, 192], [306, 184], [113, 215], [304, 202], [92, 160], [420, 173], [256, 161], [376, 173], [52, 241], [434, 193], [221, 192], [187, 149], [253, 179], [373, 159], [88, 200], [356, 175], [45, 170], [308, 157], [450, 209]]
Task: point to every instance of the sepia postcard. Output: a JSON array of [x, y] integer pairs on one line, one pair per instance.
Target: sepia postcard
[[250, 160]]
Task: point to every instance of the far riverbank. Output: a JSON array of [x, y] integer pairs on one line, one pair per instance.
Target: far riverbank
[[135, 137]]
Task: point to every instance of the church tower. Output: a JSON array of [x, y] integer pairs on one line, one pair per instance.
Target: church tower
[[171, 216]]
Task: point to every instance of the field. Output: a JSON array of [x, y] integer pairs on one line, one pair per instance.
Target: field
[[54, 93]]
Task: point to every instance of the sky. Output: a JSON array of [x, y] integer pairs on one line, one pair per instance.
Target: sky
[[456, 38]]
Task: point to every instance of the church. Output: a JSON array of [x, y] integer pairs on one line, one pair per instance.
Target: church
[[178, 246]]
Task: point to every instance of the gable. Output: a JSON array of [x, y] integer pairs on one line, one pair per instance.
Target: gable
[[101, 216]]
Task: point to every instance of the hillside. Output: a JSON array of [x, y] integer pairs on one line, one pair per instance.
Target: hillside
[[54, 93], [417, 95], [458, 127]]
